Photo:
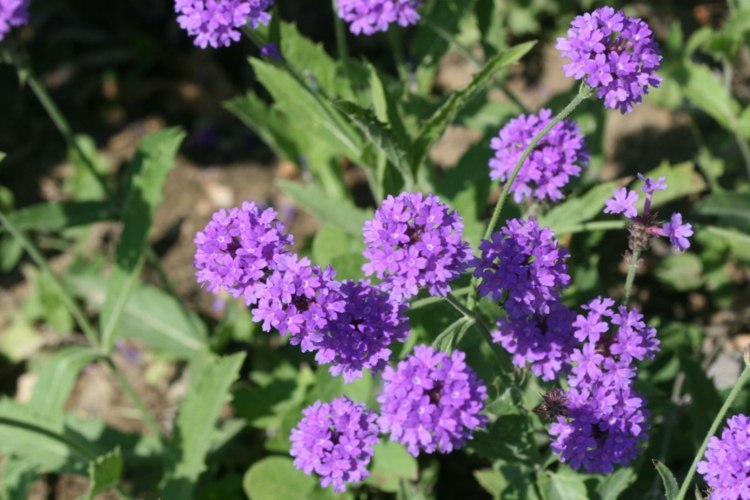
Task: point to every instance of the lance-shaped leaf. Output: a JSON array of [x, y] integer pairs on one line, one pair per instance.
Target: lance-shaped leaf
[[62, 215]]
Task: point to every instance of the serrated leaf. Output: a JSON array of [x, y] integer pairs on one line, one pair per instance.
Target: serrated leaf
[[195, 430], [276, 478], [62, 215], [150, 316], [56, 380], [153, 161], [730, 207], [444, 116], [390, 465], [671, 488], [339, 213], [615, 483], [577, 210], [104, 472], [706, 91], [738, 242], [566, 485], [268, 123]]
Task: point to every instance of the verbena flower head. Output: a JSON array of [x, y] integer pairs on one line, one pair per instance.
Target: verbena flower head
[[559, 156], [366, 17], [360, 336], [614, 54], [431, 401], [726, 465], [217, 23], [236, 250], [13, 13], [542, 341], [300, 299], [414, 241], [335, 441], [523, 259]]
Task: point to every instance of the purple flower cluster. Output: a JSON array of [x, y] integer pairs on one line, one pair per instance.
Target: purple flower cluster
[[558, 156], [726, 467], [216, 23], [366, 17], [414, 241], [604, 419], [642, 228], [335, 440], [360, 336], [13, 13], [237, 249], [614, 54], [431, 401]]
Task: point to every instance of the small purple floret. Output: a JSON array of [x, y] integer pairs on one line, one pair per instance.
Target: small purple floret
[[335, 441], [13, 13], [677, 232], [414, 241], [614, 54], [432, 401], [217, 23], [623, 202], [651, 185], [367, 17], [559, 156], [726, 465]]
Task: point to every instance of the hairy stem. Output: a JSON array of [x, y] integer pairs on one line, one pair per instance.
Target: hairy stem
[[148, 419], [714, 426], [631, 275]]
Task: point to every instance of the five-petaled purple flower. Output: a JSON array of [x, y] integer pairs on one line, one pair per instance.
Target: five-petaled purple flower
[[217, 23], [623, 202], [431, 402], [677, 232], [559, 156], [335, 441], [414, 241], [726, 466], [237, 249], [366, 17], [13, 13], [614, 54]]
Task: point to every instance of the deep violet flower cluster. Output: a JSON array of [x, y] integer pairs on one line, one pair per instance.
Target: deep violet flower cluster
[[604, 420], [13, 13], [523, 262], [335, 440], [414, 241], [644, 227], [559, 156], [367, 17], [726, 467], [431, 401], [216, 23], [614, 54]]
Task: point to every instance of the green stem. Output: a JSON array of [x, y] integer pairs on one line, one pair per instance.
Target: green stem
[[744, 151], [148, 419], [714, 426], [631, 275], [42, 264], [394, 38], [602, 225], [340, 27], [428, 301]]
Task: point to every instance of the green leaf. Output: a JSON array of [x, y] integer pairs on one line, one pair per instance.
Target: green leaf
[[391, 464], [492, 481], [272, 126], [507, 438], [615, 483], [729, 207], [104, 472], [743, 124], [444, 116], [566, 485], [706, 401], [683, 272], [738, 242], [671, 488], [56, 380], [195, 429], [153, 161], [2, 156], [276, 478], [331, 242], [339, 213], [682, 179], [62, 215], [579, 209], [150, 316], [708, 93], [348, 266], [18, 477]]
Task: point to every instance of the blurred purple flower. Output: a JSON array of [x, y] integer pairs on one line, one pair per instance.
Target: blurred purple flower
[[614, 54], [217, 23], [559, 156], [727, 461], [366, 17], [335, 440], [677, 232], [271, 51], [431, 401], [650, 185], [13, 13]]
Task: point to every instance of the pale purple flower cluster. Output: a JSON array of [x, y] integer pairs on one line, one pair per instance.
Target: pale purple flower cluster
[[558, 156], [642, 228], [237, 249], [360, 336], [431, 401], [13, 13], [366, 17], [726, 467], [604, 421], [414, 241], [217, 23], [614, 54], [335, 440]]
